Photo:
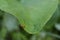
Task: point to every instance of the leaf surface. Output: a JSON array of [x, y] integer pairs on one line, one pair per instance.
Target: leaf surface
[[32, 14]]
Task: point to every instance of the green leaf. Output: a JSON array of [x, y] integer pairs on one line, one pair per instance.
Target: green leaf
[[59, 1], [49, 25], [32, 14]]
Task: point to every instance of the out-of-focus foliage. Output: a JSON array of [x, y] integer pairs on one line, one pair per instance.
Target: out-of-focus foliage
[[18, 36], [10, 22], [12, 29]]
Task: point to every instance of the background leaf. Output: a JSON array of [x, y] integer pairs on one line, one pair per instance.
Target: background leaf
[[10, 22], [18, 36]]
